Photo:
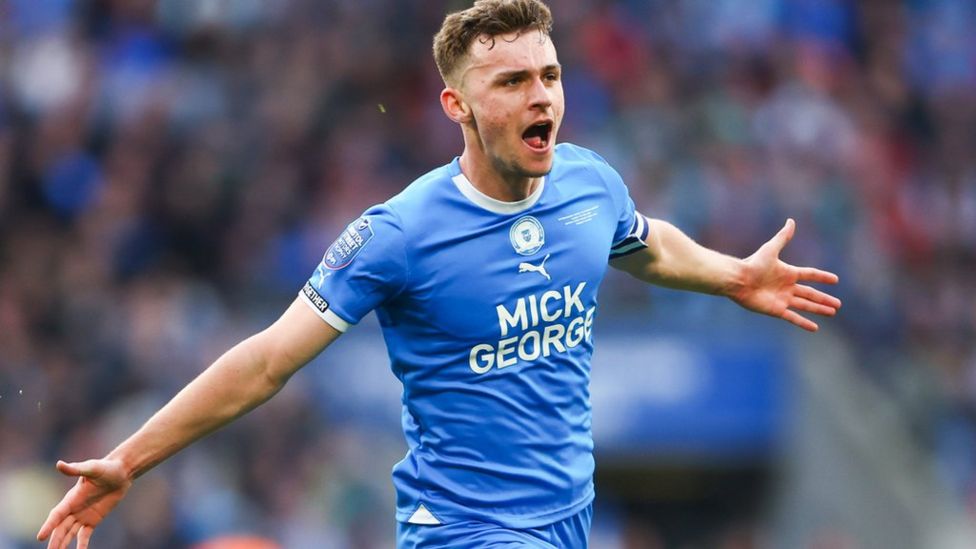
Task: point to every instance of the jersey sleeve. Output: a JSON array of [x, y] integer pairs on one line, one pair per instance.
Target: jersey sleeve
[[631, 232], [632, 228], [363, 268]]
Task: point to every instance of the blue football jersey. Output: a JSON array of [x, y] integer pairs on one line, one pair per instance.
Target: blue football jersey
[[487, 310]]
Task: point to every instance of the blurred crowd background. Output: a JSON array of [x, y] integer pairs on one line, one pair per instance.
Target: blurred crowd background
[[172, 171]]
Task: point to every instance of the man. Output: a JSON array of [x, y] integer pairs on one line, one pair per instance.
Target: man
[[484, 275]]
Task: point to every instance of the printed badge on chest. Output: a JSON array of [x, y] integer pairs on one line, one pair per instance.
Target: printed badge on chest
[[527, 235]]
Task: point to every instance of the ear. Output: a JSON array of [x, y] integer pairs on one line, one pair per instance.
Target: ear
[[454, 105]]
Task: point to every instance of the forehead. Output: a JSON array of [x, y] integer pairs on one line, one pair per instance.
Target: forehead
[[526, 49]]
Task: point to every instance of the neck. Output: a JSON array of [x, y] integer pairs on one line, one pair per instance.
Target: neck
[[490, 181]]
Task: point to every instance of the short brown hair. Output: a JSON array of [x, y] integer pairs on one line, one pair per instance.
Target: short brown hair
[[485, 17]]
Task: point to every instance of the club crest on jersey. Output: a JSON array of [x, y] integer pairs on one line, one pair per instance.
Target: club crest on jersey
[[527, 235], [347, 246]]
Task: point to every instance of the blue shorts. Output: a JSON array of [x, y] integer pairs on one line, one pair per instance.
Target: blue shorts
[[569, 533]]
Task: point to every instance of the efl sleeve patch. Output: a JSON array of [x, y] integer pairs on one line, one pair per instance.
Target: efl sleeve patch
[[345, 248], [361, 270]]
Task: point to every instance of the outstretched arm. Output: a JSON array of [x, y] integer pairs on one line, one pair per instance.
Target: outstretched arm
[[244, 377], [761, 282]]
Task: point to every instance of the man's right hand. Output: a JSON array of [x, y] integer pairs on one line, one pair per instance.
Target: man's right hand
[[102, 483]]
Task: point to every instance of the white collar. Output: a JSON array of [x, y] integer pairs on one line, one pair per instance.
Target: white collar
[[493, 204]]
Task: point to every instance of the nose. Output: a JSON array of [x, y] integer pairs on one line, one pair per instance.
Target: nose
[[540, 95]]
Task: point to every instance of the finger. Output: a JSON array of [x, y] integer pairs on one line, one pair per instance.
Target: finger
[[70, 535], [46, 528], [794, 318], [817, 275], [54, 518], [57, 536], [806, 305], [81, 469], [55, 539], [84, 536], [783, 237], [49, 526], [817, 296], [60, 513]]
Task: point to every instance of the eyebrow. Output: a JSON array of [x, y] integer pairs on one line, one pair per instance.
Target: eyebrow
[[523, 72]]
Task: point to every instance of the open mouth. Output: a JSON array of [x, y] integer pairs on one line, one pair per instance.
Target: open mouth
[[537, 136]]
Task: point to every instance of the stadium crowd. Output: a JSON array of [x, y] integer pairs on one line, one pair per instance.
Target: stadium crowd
[[171, 172]]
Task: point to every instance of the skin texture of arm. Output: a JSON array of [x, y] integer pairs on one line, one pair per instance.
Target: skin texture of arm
[[761, 282], [247, 375]]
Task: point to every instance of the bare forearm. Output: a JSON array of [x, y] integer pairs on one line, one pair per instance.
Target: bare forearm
[[681, 263], [244, 377], [247, 375], [233, 385]]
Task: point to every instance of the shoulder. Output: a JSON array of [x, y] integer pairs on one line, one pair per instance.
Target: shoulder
[[568, 152], [416, 201], [573, 160]]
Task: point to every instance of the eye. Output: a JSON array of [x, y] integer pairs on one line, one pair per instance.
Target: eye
[[552, 76], [513, 81]]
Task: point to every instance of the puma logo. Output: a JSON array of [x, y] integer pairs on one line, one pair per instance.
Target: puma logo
[[540, 268]]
